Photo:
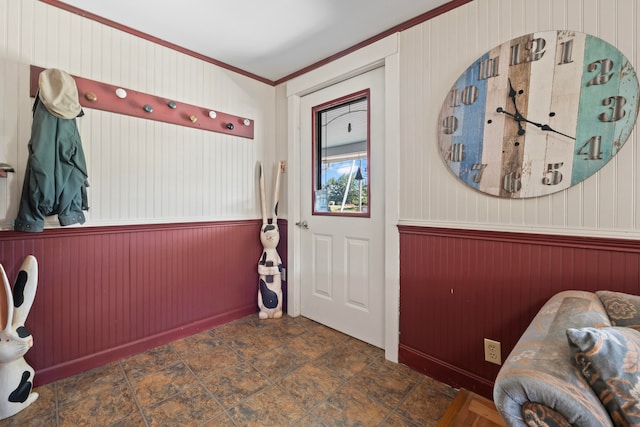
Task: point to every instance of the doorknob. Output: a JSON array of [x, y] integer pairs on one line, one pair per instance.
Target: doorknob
[[303, 224]]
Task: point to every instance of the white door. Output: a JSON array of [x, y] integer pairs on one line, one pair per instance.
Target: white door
[[342, 207]]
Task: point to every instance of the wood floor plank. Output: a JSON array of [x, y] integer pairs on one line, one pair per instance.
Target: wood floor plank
[[471, 410]]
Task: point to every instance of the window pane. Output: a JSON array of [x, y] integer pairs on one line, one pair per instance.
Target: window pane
[[341, 164]]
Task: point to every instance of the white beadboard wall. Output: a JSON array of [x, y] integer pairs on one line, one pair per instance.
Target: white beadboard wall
[[140, 171], [433, 55]]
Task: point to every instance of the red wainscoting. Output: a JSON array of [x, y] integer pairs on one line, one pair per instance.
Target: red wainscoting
[[108, 292], [458, 287]]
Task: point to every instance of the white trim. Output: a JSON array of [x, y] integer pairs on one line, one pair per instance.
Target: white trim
[[293, 192], [392, 207], [381, 53], [358, 62]]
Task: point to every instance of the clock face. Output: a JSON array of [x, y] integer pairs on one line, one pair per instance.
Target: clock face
[[538, 114]]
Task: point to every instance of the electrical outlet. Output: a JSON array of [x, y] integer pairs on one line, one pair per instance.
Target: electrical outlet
[[283, 166], [492, 351]]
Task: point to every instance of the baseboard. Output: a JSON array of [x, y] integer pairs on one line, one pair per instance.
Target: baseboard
[[72, 367], [444, 372]]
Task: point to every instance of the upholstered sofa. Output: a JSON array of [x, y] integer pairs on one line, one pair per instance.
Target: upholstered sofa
[[580, 350]]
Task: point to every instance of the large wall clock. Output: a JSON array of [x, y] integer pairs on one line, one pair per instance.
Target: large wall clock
[[538, 114]]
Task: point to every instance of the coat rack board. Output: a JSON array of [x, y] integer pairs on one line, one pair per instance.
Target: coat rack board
[[115, 99]]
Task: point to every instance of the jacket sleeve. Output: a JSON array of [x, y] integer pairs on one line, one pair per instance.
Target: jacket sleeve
[[38, 190], [42, 152]]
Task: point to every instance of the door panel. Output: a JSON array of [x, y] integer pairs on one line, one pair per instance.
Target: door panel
[[357, 273], [342, 254], [322, 260]]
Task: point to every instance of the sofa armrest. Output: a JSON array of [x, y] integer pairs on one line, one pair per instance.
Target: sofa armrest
[[540, 370]]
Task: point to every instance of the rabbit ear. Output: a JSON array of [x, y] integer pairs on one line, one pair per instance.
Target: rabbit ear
[[265, 221], [24, 291], [6, 309], [276, 195]]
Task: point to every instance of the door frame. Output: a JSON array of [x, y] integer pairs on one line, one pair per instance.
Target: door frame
[[382, 53]]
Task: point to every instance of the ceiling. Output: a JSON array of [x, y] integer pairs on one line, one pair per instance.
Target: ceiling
[[268, 39]]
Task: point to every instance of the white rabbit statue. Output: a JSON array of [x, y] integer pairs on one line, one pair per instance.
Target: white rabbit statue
[[16, 376], [270, 264]]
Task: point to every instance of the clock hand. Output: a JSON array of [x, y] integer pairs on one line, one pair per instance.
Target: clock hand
[[512, 95], [520, 118], [548, 128], [517, 116]]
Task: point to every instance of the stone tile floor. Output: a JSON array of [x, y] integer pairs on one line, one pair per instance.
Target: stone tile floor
[[250, 372]]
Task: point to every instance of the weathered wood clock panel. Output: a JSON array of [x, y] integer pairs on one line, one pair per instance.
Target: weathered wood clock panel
[[538, 114]]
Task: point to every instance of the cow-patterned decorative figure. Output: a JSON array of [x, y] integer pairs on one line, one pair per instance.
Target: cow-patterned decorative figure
[[270, 264], [16, 376]]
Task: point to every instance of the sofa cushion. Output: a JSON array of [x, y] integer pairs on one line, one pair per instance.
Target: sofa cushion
[[622, 309], [609, 359]]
